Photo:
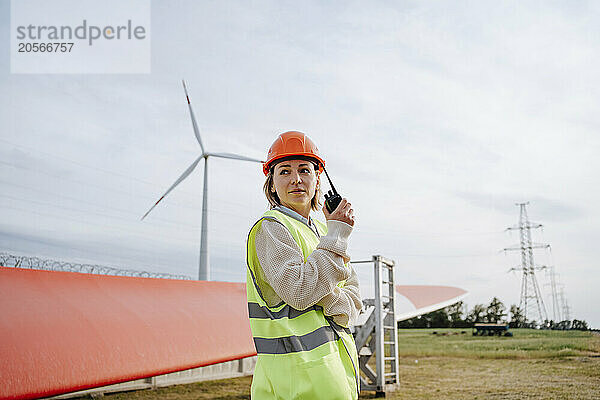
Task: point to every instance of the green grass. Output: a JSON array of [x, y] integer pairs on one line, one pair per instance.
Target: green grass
[[481, 378], [525, 344], [530, 365]]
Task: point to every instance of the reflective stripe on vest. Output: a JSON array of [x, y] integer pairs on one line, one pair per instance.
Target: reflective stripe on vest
[[293, 344], [255, 310], [284, 335]]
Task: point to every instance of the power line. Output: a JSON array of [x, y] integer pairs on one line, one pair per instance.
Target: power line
[[89, 184], [62, 207], [385, 232], [120, 192], [449, 255], [80, 164], [114, 173], [104, 206], [87, 222]]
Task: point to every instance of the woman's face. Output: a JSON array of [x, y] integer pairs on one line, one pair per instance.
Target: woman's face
[[295, 182]]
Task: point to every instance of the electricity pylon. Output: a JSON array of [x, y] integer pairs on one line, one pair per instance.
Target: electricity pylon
[[565, 305], [556, 314], [531, 296]]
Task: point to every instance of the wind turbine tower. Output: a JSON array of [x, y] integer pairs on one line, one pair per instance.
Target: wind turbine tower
[[531, 302], [204, 264]]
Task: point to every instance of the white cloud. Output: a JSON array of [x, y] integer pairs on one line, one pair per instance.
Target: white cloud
[[433, 118]]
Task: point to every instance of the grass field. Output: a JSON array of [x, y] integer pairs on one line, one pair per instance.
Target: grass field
[[453, 365]]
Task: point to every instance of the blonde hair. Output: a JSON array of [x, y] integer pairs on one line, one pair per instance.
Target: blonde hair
[[273, 199]]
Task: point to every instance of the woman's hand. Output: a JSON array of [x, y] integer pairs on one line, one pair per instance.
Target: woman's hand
[[343, 212]]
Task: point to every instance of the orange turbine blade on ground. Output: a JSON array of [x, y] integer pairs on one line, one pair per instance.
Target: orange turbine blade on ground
[[66, 331]]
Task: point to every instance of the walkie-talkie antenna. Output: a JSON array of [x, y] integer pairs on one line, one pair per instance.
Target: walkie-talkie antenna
[[329, 179]]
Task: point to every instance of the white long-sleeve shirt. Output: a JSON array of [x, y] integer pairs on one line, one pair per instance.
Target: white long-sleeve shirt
[[302, 284]]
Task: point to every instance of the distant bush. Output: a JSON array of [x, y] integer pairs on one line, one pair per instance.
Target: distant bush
[[456, 316]]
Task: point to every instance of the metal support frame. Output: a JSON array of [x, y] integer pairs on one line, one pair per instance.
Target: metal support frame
[[379, 334]]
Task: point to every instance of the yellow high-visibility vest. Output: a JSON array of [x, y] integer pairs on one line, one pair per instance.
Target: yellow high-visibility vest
[[301, 353]]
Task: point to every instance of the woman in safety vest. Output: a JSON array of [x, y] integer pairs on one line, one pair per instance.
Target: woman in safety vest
[[302, 292]]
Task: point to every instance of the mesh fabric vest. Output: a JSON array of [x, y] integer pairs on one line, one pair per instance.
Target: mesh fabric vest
[[301, 353]]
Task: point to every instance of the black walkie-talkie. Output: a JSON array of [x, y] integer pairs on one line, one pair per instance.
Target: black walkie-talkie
[[332, 197]]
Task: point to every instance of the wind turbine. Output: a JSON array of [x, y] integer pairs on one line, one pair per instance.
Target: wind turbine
[[204, 267]]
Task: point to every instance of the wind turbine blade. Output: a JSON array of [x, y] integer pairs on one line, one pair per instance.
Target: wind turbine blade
[[177, 182], [234, 157], [194, 124]]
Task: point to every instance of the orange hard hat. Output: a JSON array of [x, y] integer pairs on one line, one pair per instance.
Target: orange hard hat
[[290, 144]]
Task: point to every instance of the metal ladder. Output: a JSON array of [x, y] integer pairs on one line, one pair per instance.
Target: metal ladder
[[379, 334]]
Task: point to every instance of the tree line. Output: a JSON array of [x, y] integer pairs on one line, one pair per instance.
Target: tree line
[[457, 316]]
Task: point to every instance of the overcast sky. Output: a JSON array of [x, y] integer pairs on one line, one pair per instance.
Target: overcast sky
[[434, 118]]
